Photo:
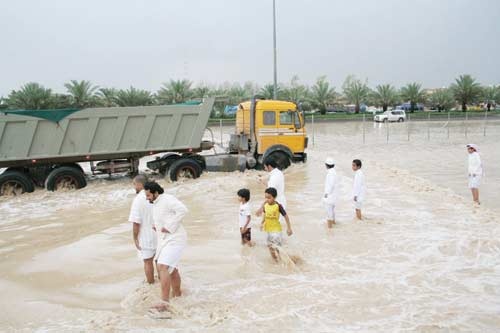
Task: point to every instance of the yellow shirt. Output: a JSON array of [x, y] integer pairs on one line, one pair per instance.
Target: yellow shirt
[[272, 217]]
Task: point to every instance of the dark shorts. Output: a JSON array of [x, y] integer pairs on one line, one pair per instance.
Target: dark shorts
[[247, 236]]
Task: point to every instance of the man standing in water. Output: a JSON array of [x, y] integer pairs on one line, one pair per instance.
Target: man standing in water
[[142, 227], [475, 171], [277, 181], [359, 189], [331, 190], [168, 213]]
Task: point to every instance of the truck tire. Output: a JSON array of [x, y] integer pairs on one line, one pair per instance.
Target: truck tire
[[169, 159], [184, 168], [281, 159], [401, 120], [15, 183], [65, 177]]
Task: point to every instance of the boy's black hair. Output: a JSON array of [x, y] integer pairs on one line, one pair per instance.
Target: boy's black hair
[[272, 191], [244, 193], [357, 162], [153, 187], [271, 162]]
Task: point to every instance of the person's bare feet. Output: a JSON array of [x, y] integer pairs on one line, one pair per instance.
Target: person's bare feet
[[160, 307]]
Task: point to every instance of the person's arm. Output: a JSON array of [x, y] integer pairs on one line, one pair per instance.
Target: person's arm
[[175, 213], [245, 228], [135, 233], [288, 226], [328, 185], [261, 209], [356, 187], [287, 220], [475, 164], [263, 219]]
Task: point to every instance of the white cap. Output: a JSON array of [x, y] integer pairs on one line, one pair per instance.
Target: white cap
[[329, 161]]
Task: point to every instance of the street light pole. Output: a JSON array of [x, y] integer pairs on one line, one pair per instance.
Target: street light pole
[[275, 90]]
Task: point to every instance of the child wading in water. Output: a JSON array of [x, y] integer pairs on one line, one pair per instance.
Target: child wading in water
[[271, 223], [245, 216]]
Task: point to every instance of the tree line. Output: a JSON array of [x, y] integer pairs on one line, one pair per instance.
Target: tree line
[[463, 92]]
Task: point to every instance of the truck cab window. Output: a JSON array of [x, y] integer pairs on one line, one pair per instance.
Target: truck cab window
[[286, 118], [269, 118]]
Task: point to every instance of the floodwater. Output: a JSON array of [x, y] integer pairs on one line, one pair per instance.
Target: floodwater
[[424, 260]]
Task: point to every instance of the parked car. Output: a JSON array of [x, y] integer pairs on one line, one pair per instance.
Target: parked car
[[394, 115], [407, 107]]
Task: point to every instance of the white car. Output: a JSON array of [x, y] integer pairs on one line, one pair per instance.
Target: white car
[[394, 115]]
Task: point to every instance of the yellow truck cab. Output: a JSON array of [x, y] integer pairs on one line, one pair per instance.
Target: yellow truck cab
[[270, 128]]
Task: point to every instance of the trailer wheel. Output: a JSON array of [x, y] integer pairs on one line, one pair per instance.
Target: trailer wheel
[[281, 159], [184, 168], [65, 178], [15, 183]]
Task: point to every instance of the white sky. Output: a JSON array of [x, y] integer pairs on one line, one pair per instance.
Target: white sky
[[118, 43]]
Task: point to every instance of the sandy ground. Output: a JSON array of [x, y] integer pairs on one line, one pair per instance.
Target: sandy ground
[[424, 260]]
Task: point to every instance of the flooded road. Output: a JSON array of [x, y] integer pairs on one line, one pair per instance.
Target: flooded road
[[424, 260]]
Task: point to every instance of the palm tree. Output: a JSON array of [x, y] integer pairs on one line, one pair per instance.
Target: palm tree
[[267, 91], [31, 96], [491, 95], [466, 90], [322, 95], [355, 91], [3, 103], [201, 91], [413, 94], [442, 99], [107, 96], [385, 95], [61, 101], [82, 93], [133, 97], [237, 94], [175, 91], [295, 92]]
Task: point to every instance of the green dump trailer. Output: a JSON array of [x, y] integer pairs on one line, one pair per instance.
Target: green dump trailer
[[46, 147]]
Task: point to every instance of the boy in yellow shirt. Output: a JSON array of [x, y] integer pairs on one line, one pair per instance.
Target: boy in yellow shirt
[[271, 222]]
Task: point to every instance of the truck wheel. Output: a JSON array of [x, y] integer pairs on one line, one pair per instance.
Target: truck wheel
[[169, 159], [65, 178], [15, 183], [281, 159], [401, 120], [184, 168]]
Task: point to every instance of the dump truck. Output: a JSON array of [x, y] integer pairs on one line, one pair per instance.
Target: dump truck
[[46, 148]]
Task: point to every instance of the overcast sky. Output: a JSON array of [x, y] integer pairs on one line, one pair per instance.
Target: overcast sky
[[119, 43]]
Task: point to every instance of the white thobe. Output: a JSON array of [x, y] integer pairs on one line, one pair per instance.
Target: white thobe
[[331, 187], [168, 213], [141, 213], [475, 165], [277, 180], [359, 187]]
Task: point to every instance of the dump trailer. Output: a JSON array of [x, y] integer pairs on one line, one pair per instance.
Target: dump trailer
[[45, 147]]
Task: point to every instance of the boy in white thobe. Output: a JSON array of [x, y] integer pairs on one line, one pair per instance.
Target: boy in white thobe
[[359, 188], [475, 170], [331, 190]]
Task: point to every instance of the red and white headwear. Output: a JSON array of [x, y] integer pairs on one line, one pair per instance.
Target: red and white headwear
[[473, 146]]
